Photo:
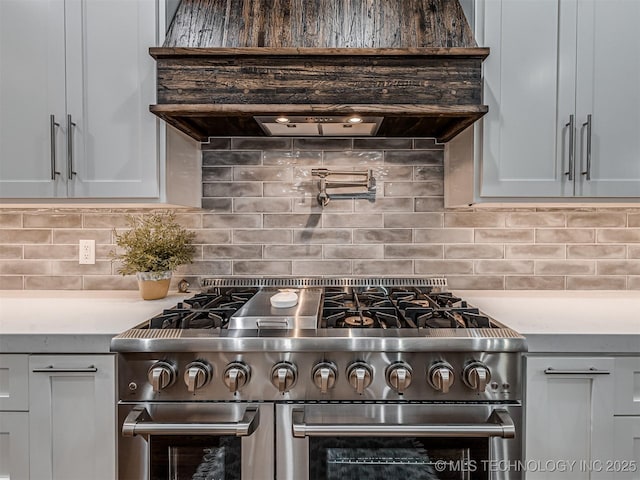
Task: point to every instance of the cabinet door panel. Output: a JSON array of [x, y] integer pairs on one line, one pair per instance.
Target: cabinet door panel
[[626, 444], [72, 416], [569, 416], [14, 446], [111, 82], [607, 88], [32, 88], [529, 93]]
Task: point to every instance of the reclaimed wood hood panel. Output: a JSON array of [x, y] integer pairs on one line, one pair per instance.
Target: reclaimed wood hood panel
[[320, 24], [414, 62]]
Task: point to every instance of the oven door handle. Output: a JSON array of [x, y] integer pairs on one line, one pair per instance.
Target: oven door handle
[[499, 424], [138, 422]]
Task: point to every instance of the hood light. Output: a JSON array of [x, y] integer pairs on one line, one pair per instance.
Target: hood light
[[282, 120], [355, 120]]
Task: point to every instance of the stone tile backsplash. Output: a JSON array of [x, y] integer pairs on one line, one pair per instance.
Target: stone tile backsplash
[[260, 217]]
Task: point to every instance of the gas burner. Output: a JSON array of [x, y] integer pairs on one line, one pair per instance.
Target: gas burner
[[454, 318], [366, 318], [358, 321], [418, 303]]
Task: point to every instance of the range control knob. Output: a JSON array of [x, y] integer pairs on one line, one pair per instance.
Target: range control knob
[[324, 375], [441, 376], [161, 375], [360, 376], [197, 375], [284, 376], [476, 376], [236, 375], [399, 376]]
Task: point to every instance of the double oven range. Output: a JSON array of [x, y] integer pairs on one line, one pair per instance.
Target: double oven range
[[377, 378]]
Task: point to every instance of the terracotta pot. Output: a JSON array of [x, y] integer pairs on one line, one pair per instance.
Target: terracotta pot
[[153, 285]]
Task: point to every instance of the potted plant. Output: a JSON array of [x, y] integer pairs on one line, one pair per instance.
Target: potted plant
[[154, 246]]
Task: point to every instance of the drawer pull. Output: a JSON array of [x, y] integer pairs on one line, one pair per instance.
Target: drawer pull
[[590, 371], [52, 369]]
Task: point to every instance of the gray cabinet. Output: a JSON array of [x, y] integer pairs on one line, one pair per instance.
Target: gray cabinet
[[561, 83], [14, 417], [626, 422], [72, 405], [583, 409], [569, 414], [74, 97]]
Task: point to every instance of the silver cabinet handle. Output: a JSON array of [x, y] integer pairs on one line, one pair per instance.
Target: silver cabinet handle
[[499, 424], [587, 124], [589, 371], [70, 126], [52, 369], [138, 422], [571, 126], [53, 124]]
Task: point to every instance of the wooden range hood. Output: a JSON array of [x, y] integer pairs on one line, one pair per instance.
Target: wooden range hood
[[411, 63]]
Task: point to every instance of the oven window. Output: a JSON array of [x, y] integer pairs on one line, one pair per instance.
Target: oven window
[[410, 458], [195, 458]]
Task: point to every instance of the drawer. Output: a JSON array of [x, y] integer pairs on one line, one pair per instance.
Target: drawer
[[627, 386], [14, 382]]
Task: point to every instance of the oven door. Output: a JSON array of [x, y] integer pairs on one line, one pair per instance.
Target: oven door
[[416, 441], [185, 441]]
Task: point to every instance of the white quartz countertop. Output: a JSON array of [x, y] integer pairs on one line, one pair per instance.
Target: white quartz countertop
[[83, 321], [566, 321], [553, 322]]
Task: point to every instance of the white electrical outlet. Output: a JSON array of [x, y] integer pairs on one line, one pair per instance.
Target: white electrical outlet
[[87, 252]]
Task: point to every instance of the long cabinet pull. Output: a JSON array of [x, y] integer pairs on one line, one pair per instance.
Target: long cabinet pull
[[571, 126], [589, 371], [587, 124], [70, 126], [53, 124], [52, 369]]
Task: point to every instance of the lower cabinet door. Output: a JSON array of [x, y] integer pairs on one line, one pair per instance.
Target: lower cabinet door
[[14, 446], [72, 417], [569, 417], [626, 444]]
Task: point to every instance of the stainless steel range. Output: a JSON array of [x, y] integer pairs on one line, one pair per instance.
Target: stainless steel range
[[320, 379]]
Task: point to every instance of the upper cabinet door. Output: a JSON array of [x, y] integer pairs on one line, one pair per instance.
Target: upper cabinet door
[[608, 89], [110, 85], [529, 91], [32, 87]]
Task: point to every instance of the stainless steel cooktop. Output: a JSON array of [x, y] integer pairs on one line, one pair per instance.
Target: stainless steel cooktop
[[333, 314], [345, 339]]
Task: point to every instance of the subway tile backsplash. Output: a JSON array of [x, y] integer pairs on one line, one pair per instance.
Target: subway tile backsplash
[[260, 217]]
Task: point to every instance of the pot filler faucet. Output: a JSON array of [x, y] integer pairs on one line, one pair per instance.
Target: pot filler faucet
[[361, 180]]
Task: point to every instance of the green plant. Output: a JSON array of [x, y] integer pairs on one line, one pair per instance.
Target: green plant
[[155, 243]]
